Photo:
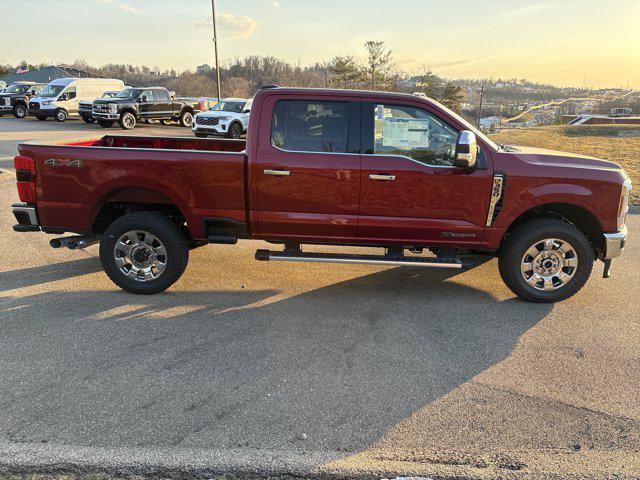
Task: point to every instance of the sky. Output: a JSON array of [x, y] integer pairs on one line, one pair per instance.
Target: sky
[[592, 43]]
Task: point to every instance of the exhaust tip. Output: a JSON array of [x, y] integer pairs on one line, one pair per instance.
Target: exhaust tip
[[55, 242]]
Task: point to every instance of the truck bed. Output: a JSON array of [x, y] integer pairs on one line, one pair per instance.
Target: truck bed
[[165, 143], [203, 178]]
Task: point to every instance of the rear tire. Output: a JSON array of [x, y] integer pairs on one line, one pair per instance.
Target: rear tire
[[61, 116], [20, 111], [89, 120], [105, 123], [546, 261], [127, 121], [119, 260]]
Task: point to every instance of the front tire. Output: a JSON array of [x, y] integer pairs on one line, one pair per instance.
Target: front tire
[[42, 118], [546, 261], [105, 123], [186, 119], [19, 111], [127, 121], [89, 120], [144, 252], [61, 116], [235, 131], [200, 134]]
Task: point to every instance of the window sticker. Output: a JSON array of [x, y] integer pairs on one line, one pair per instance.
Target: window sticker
[[405, 133]]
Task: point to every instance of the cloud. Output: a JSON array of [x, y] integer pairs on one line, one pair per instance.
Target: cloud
[[129, 8], [527, 10], [238, 26], [274, 3]]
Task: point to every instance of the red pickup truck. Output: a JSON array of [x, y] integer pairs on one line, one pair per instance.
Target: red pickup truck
[[355, 168]]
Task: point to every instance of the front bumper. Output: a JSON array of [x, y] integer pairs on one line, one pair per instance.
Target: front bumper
[[27, 217], [41, 112], [6, 108], [105, 116], [614, 244]]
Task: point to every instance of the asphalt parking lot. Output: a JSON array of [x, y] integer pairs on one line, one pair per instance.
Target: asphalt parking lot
[[346, 371]]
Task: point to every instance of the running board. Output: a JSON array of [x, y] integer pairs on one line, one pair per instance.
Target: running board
[[400, 260]]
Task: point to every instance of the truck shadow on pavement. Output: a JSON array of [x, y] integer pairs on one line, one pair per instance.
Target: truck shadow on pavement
[[331, 370], [28, 277]]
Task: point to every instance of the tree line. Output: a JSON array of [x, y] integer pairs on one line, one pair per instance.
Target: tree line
[[241, 77]]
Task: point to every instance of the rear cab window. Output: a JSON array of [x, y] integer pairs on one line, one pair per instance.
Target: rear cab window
[[310, 126]]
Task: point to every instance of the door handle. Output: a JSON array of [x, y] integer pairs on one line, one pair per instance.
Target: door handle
[[384, 178], [277, 173]]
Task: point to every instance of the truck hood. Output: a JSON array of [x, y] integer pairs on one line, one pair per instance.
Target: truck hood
[[544, 157], [107, 101], [218, 113]]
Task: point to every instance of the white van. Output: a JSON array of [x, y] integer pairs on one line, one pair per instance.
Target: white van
[[60, 98]]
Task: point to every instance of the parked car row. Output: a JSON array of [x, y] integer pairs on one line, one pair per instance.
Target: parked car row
[[109, 101]]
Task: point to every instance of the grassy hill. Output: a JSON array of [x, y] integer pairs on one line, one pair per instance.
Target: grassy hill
[[601, 141]]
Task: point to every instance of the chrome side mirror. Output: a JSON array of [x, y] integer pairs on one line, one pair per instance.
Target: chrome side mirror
[[466, 150]]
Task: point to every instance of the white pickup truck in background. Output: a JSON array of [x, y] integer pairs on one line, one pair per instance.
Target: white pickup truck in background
[[229, 117]]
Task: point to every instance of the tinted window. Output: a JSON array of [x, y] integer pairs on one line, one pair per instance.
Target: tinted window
[[162, 96], [310, 126], [413, 133]]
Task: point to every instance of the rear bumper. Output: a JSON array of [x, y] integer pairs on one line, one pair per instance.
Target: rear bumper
[[614, 244], [27, 216], [6, 108]]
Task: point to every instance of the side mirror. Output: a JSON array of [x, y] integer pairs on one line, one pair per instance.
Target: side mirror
[[33, 92], [144, 99], [246, 110], [63, 97], [466, 150]]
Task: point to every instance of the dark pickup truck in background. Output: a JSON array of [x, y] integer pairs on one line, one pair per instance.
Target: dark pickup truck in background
[[85, 107], [394, 171], [15, 98], [143, 104]]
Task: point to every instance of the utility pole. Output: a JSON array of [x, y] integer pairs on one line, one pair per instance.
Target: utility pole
[[215, 45], [480, 104]]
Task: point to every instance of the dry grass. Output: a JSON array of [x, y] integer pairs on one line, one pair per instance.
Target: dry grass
[[601, 141]]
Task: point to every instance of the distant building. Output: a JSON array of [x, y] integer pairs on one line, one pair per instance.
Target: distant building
[[203, 69], [46, 74]]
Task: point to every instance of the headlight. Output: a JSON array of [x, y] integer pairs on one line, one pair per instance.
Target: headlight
[[624, 204], [113, 107], [223, 118], [46, 103]]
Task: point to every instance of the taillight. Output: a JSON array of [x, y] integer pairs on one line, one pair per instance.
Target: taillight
[[201, 106], [25, 178]]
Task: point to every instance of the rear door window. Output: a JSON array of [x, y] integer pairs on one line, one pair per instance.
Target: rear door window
[[310, 126]]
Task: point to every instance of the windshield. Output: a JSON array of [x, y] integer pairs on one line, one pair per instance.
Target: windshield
[[17, 89], [109, 94], [223, 106], [128, 94], [51, 90], [468, 126]]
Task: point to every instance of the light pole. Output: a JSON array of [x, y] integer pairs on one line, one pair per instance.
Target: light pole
[[215, 44]]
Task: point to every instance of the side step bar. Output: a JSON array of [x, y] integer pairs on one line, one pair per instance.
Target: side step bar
[[396, 260]]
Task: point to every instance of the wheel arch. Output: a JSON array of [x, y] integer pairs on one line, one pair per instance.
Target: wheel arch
[[116, 201], [576, 215]]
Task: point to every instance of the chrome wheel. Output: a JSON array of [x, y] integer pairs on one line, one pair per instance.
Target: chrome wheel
[[129, 120], [140, 256], [549, 264]]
